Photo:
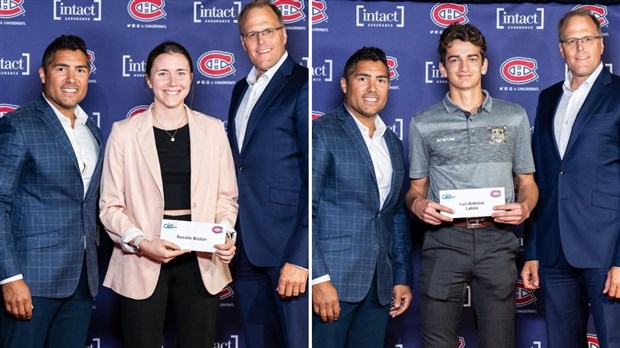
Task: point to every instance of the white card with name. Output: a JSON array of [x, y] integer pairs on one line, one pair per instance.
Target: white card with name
[[472, 202], [196, 236]]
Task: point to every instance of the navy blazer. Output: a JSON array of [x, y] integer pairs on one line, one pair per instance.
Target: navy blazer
[[351, 235], [45, 220], [272, 169], [579, 204]]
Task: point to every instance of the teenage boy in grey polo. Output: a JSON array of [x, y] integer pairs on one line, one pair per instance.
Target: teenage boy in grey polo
[[469, 140]]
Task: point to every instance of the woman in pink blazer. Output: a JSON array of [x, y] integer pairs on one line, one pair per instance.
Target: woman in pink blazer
[[174, 163]]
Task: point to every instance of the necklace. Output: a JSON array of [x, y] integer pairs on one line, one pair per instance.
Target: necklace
[[162, 127]]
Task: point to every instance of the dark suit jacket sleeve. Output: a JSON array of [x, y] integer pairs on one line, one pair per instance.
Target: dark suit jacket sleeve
[[401, 243], [12, 158], [298, 254], [320, 167]]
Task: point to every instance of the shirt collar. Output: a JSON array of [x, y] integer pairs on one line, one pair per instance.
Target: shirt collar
[[451, 107], [380, 126], [586, 84], [252, 76], [80, 115]]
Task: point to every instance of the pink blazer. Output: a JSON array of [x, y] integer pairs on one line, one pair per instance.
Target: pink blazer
[[132, 196]]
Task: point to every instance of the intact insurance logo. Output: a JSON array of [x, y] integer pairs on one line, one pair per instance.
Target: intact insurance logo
[[6, 108], [15, 64], [432, 74], [229, 342], [369, 16], [219, 12], [146, 12], [323, 71], [534, 19], [599, 11], [133, 67], [94, 343], [74, 10], [444, 14], [519, 71], [397, 127], [216, 65], [11, 8]]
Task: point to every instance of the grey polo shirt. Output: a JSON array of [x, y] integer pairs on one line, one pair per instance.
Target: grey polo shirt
[[457, 151]]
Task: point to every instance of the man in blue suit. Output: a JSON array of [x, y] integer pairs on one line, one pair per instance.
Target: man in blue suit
[[361, 250], [268, 132], [50, 155], [574, 240]]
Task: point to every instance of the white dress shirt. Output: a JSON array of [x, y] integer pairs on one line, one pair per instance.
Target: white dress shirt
[[256, 87], [569, 106]]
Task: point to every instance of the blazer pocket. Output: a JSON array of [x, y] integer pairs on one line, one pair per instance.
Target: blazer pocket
[[605, 200], [37, 241], [286, 197], [336, 243]]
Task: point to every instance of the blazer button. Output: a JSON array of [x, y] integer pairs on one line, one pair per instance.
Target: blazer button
[[194, 205], [241, 168], [562, 172]]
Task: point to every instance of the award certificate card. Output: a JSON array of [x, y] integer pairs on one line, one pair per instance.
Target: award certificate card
[[472, 202], [196, 236]]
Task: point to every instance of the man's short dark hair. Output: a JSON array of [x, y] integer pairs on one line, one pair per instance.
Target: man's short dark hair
[[365, 53], [63, 42], [579, 12], [462, 32], [258, 4]]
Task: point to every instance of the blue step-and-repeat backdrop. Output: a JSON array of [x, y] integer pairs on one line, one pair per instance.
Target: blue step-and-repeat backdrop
[[523, 60], [119, 35]]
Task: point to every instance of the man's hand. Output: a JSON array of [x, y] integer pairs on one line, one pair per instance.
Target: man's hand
[[325, 301], [292, 281], [529, 274], [612, 284], [402, 300], [429, 211], [161, 250], [17, 299], [513, 213]]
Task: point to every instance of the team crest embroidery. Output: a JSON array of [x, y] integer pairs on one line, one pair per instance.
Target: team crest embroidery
[[498, 135]]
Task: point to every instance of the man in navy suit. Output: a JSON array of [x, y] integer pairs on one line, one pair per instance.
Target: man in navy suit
[[50, 155], [361, 250], [574, 241], [268, 132], [469, 140]]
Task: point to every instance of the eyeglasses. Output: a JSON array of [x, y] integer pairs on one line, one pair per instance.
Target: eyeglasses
[[585, 41], [267, 34]]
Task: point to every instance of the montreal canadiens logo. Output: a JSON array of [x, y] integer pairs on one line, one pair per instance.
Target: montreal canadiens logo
[[6, 108], [519, 70], [226, 292], [317, 114], [461, 342], [216, 64], [136, 110], [592, 341], [146, 10], [11, 8], [292, 10], [523, 296], [599, 11], [217, 229], [392, 63], [444, 14], [496, 193], [91, 59], [319, 13]]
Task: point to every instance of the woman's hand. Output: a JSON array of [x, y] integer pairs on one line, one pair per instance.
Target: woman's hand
[[225, 252], [161, 250]]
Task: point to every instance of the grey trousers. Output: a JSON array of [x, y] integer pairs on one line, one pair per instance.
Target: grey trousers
[[455, 257]]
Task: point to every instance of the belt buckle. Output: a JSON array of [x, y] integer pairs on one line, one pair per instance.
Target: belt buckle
[[474, 222]]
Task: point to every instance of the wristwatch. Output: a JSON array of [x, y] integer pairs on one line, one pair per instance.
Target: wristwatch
[[136, 244]]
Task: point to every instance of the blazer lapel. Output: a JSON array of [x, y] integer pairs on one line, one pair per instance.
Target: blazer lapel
[[595, 98], [94, 184], [353, 132], [145, 139], [278, 81], [231, 126], [548, 115], [199, 156], [48, 116], [397, 163]]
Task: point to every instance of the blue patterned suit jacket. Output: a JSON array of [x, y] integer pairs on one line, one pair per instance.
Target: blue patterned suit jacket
[[351, 235], [45, 220]]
